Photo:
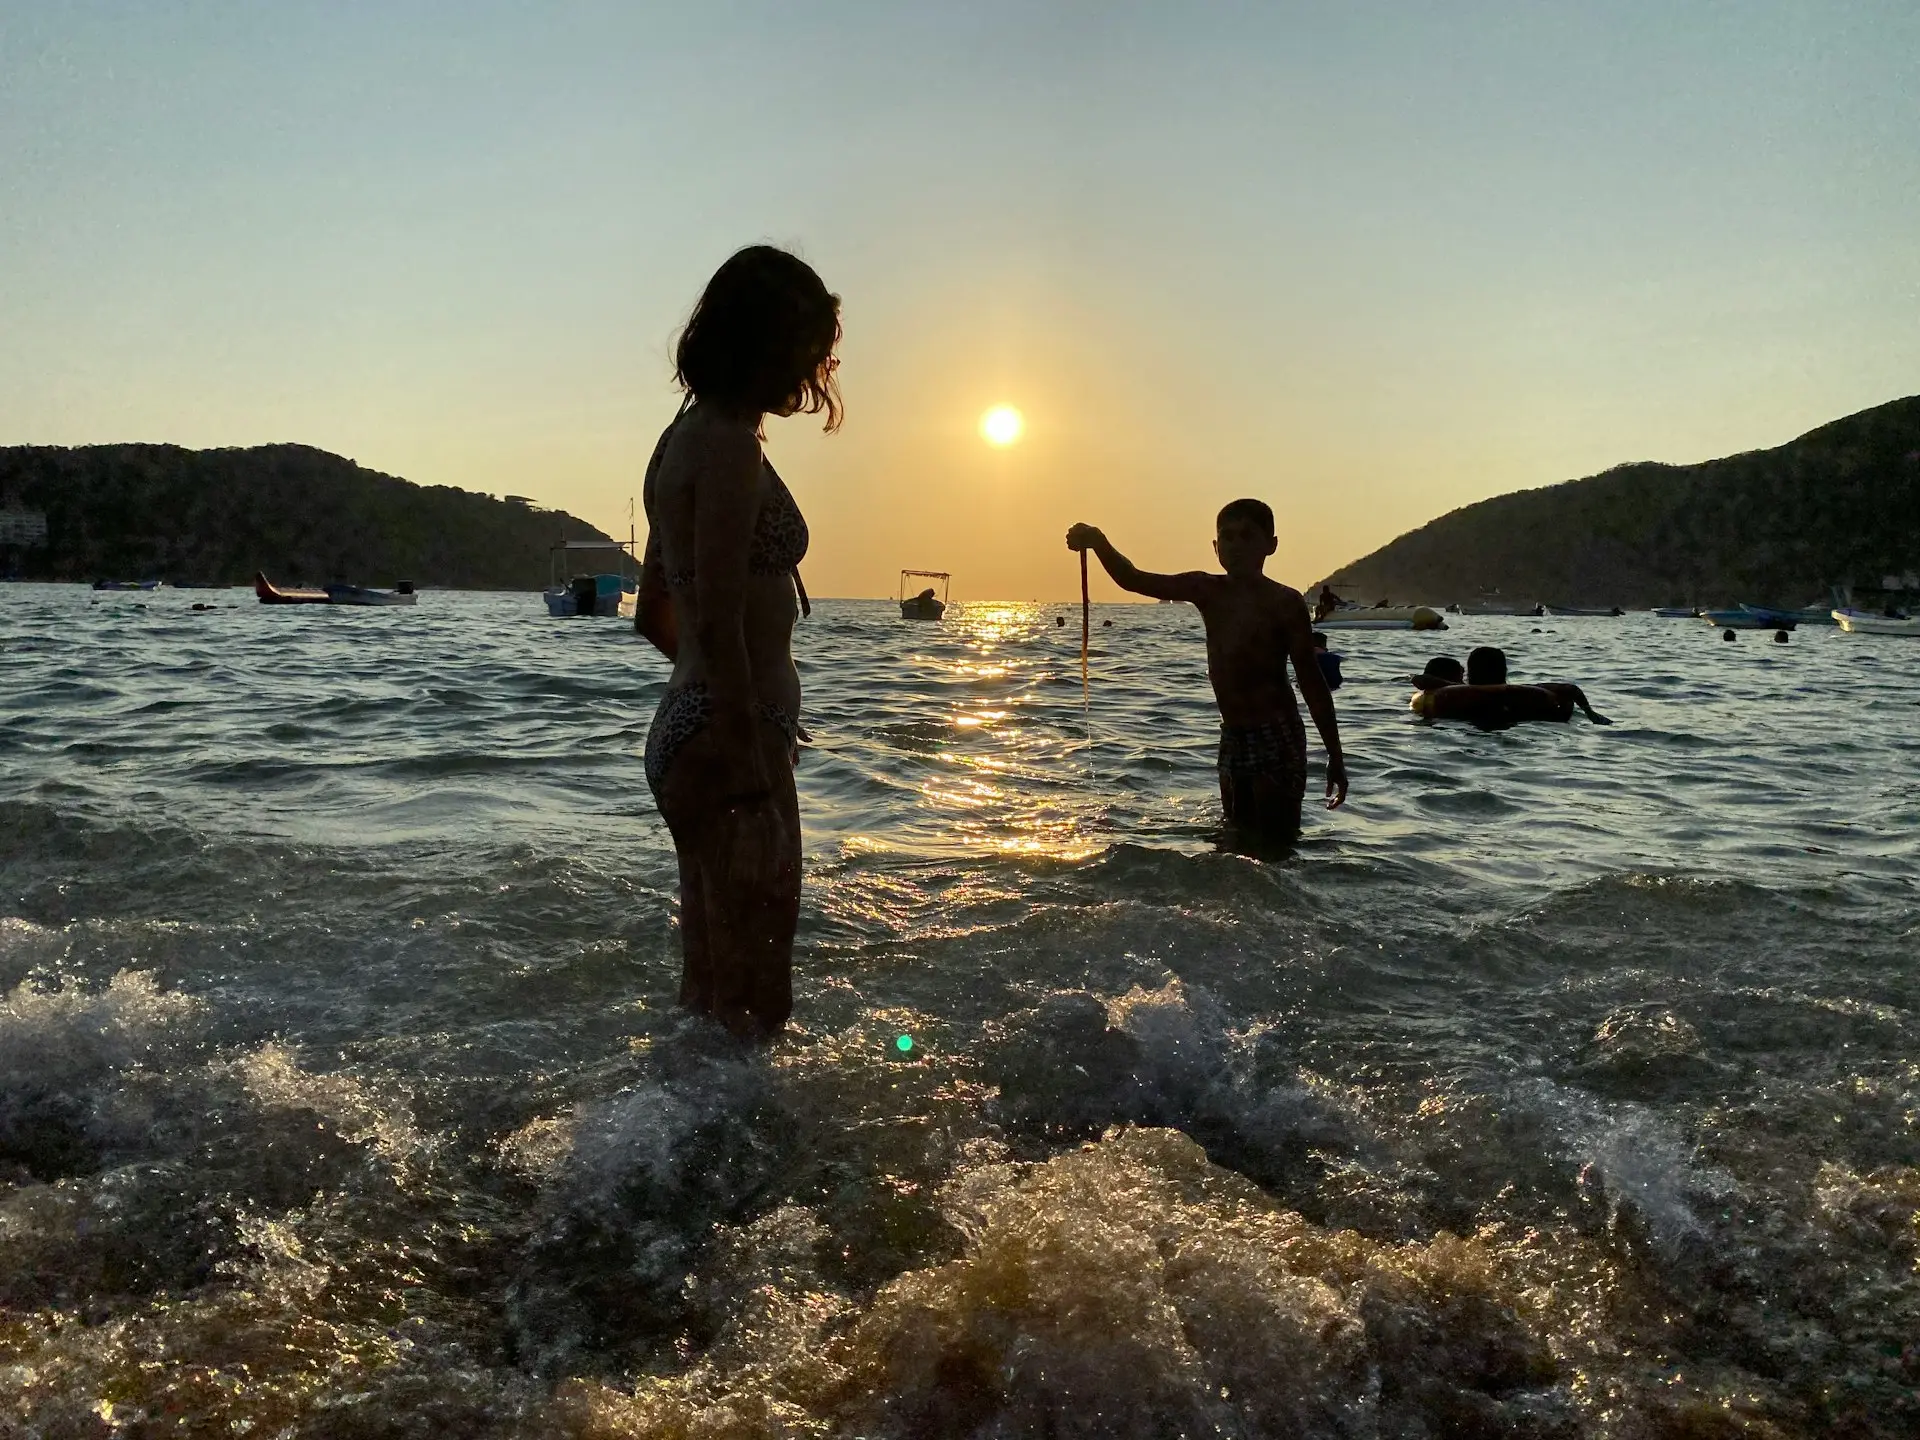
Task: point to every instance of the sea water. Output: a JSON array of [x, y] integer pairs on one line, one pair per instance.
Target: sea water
[[1565, 1082]]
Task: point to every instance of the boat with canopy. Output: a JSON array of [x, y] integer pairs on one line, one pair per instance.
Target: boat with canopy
[[926, 605]]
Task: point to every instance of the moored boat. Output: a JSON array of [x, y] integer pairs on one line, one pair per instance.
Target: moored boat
[[603, 594], [1383, 617], [271, 594], [1676, 612], [1494, 608], [607, 593], [401, 594], [1744, 617], [926, 605], [1862, 622], [1593, 612]]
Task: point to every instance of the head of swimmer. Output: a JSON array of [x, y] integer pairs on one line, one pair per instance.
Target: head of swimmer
[[761, 339], [1441, 671], [1243, 537], [1487, 665]]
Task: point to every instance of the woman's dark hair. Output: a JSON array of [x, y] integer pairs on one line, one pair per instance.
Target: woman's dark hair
[[762, 338]]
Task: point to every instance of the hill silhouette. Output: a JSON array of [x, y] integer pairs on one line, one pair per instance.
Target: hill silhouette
[[1838, 506], [300, 514]]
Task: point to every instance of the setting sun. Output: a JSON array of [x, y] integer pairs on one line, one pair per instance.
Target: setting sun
[[1002, 425]]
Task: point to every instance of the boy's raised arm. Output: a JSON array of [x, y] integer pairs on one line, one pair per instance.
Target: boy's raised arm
[[1128, 576]]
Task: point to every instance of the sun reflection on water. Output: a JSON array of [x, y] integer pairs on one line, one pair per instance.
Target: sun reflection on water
[[991, 782]]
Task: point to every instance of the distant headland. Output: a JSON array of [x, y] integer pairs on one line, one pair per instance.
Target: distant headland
[[300, 514], [1840, 506]]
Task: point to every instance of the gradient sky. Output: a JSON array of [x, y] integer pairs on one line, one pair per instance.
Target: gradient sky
[[1368, 261]]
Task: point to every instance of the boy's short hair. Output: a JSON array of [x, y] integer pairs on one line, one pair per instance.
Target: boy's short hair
[[1255, 512], [1487, 665]]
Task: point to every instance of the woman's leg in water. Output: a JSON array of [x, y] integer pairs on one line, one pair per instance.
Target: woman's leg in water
[[744, 866], [696, 978]]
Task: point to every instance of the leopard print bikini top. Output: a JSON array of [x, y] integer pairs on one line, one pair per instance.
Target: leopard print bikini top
[[780, 535]]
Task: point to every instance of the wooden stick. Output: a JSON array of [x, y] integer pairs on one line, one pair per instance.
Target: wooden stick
[[1086, 622]]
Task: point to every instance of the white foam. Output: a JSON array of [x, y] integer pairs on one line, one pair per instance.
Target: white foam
[[275, 1081], [62, 1037]]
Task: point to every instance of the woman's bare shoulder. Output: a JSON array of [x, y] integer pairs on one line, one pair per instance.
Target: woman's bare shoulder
[[704, 440]]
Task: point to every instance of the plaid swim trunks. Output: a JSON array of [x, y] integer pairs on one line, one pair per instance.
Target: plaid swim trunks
[[1263, 771]]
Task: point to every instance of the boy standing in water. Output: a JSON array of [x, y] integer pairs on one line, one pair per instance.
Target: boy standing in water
[[1254, 626]]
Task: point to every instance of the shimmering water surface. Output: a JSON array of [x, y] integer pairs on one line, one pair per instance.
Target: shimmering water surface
[[1567, 1082]]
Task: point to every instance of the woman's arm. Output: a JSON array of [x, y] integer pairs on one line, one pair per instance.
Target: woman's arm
[[1188, 586], [726, 502], [653, 613], [1313, 689]]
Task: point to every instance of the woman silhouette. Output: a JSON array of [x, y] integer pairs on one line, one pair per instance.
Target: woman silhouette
[[719, 597]]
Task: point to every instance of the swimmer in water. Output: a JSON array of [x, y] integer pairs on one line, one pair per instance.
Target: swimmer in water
[[1446, 692], [1441, 671], [1329, 660], [1487, 665]]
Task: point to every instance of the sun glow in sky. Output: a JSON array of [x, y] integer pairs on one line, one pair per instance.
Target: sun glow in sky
[[1369, 262], [1002, 425]]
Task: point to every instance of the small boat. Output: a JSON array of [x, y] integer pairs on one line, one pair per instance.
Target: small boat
[[128, 584], [1676, 612], [1383, 617], [1493, 607], [1588, 611], [1744, 617], [271, 594], [1810, 615], [602, 595], [1861, 622], [605, 593], [926, 605], [401, 594]]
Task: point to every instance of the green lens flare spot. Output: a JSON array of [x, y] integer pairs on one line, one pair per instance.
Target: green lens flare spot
[[904, 1044]]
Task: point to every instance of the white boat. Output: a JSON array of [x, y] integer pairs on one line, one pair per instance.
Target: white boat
[[1383, 617], [926, 605], [1860, 622]]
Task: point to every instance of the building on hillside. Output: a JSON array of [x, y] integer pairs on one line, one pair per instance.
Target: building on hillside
[[526, 500]]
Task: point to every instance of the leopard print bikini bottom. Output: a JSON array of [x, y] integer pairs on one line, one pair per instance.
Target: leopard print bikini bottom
[[683, 713]]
